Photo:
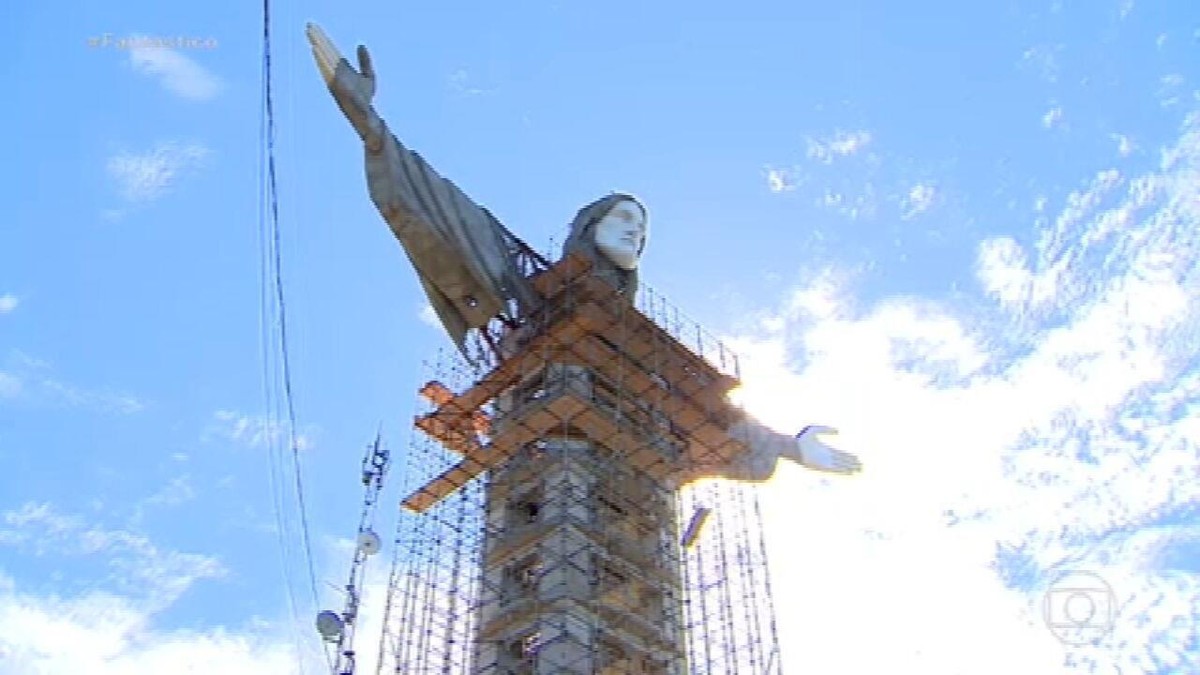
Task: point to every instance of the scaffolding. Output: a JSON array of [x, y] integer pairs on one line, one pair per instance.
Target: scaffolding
[[552, 523]]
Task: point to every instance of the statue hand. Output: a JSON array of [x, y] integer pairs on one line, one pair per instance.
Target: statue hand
[[352, 89], [813, 453]]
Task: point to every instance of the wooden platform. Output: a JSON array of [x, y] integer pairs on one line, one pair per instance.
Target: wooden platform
[[637, 366]]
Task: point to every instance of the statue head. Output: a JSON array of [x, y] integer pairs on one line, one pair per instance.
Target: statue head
[[612, 232], [621, 234]]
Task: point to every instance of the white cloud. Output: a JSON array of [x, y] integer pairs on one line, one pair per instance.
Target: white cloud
[[781, 180], [1052, 118], [461, 82], [32, 381], [177, 73], [1125, 145], [155, 575], [113, 215], [10, 385], [144, 177], [1170, 90], [8, 302], [857, 204], [178, 491], [257, 431], [1007, 273], [108, 626], [1045, 60], [972, 437], [880, 190], [100, 400], [841, 144], [1004, 272], [429, 317], [919, 199]]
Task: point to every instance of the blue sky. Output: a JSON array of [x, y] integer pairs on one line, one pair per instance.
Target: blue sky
[[966, 236]]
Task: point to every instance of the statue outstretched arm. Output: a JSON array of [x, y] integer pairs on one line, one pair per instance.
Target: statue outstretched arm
[[765, 447], [460, 251], [813, 453]]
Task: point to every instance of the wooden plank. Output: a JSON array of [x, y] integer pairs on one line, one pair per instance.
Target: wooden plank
[[533, 424], [700, 422], [436, 393], [641, 338], [512, 369], [600, 427], [454, 438], [455, 432], [444, 484], [638, 379], [703, 432], [653, 334]]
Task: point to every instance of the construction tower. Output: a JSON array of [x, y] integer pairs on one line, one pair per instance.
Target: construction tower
[[560, 539]]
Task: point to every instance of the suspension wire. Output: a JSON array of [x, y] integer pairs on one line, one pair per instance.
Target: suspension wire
[[271, 194], [275, 457], [266, 317]]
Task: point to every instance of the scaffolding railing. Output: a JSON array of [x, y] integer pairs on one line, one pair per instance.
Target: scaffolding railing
[[688, 332], [484, 356]]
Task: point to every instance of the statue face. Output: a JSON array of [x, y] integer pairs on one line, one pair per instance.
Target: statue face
[[621, 233]]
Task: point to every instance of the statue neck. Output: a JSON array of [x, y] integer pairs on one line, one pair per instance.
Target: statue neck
[[623, 280]]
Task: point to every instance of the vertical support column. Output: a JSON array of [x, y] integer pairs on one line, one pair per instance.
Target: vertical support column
[[580, 570]]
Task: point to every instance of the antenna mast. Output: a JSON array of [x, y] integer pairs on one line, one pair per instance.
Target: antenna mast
[[338, 629]]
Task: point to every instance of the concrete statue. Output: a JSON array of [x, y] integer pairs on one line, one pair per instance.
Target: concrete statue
[[466, 259]]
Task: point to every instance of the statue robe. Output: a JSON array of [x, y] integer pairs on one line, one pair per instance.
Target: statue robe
[[464, 257]]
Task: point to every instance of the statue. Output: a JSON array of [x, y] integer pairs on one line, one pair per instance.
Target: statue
[[466, 259]]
